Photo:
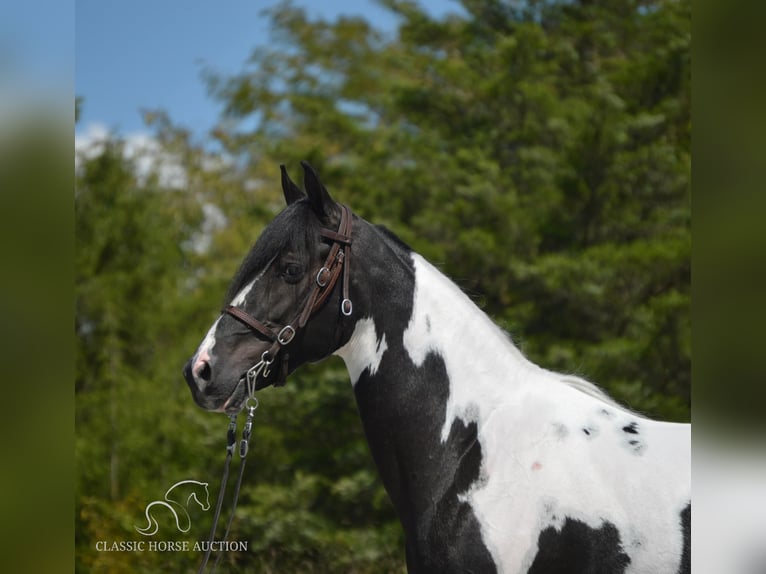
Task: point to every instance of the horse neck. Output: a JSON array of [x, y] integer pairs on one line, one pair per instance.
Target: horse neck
[[424, 362]]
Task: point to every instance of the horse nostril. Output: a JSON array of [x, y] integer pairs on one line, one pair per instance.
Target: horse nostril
[[204, 372]]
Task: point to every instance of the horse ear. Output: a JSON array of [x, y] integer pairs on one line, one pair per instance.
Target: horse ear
[[323, 205], [292, 192]]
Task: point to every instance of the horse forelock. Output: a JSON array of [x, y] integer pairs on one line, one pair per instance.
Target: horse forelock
[[295, 228]]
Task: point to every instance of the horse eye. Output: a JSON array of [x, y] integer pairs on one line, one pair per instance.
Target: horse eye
[[292, 272]]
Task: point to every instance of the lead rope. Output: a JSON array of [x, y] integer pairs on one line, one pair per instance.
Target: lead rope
[[244, 446], [231, 437]]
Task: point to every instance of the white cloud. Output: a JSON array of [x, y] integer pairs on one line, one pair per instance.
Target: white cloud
[[214, 220], [141, 148], [149, 158]]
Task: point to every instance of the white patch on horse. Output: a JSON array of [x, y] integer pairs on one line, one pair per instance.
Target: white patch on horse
[[364, 350], [241, 296], [535, 473], [204, 351]]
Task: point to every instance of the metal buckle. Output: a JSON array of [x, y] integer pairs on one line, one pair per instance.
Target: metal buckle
[[346, 307], [286, 335], [319, 280], [261, 367]]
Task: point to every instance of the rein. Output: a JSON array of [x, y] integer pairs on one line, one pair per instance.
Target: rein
[[244, 446], [337, 262]]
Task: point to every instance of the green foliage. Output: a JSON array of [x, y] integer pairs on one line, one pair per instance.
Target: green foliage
[[538, 152]]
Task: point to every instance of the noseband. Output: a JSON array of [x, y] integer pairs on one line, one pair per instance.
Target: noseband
[[337, 261]]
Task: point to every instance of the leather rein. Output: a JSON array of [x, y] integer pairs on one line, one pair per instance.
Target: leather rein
[[336, 263]]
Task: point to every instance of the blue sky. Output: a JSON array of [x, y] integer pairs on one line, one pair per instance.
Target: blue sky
[[36, 49], [148, 54]]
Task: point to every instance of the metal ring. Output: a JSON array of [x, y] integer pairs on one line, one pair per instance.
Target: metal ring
[[267, 358], [346, 304], [286, 335], [253, 372], [319, 274]]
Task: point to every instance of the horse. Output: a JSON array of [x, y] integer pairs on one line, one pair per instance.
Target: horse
[[177, 499], [492, 463]]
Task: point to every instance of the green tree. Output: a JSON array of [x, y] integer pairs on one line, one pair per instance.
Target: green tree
[[130, 283]]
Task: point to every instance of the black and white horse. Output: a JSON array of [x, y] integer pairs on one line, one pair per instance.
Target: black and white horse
[[493, 463]]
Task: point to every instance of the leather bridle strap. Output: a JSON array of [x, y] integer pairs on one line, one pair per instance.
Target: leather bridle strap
[[336, 262], [251, 322]]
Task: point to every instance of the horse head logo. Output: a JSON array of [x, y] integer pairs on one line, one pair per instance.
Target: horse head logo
[[177, 500]]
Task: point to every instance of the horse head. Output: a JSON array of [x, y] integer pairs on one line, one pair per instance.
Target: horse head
[[205, 503], [285, 304]]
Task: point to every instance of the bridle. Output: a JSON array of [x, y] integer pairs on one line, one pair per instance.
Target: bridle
[[337, 262]]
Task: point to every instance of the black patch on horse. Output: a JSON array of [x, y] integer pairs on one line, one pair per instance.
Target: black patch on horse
[[686, 527], [636, 446], [632, 428], [404, 408], [425, 477], [577, 547], [590, 431]]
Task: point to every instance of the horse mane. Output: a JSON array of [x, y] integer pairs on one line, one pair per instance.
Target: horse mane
[[592, 390], [393, 237]]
